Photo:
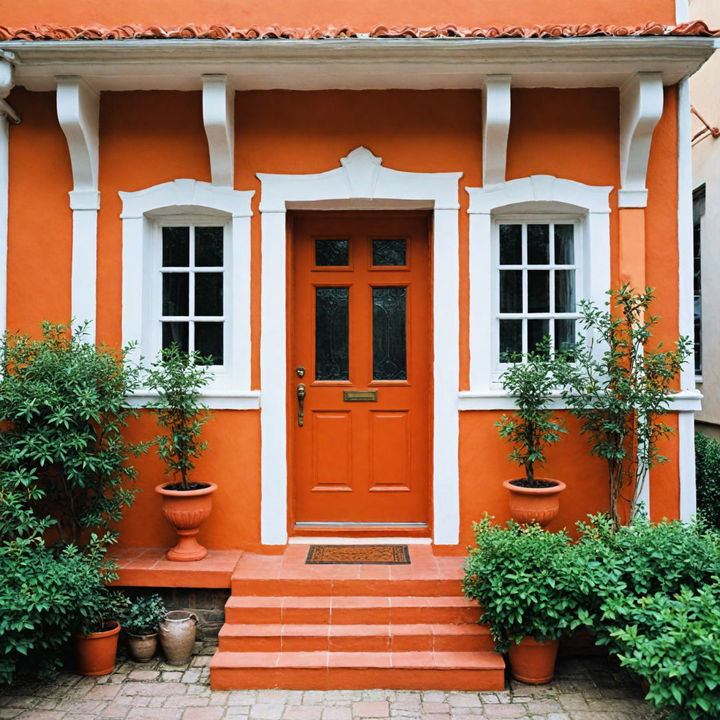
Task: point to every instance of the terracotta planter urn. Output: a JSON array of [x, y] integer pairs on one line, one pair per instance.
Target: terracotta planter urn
[[539, 505], [177, 636], [142, 647], [186, 510], [533, 662], [95, 653]]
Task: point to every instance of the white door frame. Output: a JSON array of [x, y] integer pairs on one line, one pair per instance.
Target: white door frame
[[360, 183]]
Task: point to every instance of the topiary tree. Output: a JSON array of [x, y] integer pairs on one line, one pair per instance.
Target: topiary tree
[[618, 383], [64, 469]]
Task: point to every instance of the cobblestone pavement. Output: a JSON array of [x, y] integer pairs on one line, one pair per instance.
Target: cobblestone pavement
[[583, 689]]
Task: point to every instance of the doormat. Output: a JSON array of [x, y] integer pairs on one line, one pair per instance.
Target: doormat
[[358, 555]]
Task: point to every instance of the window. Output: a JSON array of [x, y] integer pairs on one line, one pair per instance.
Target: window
[[537, 284], [698, 213], [191, 306]]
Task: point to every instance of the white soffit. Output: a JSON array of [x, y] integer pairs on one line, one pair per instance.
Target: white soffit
[[357, 63]]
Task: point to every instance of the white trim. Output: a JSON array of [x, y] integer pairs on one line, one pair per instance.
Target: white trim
[[358, 63], [682, 11], [219, 119], [78, 111], [359, 179], [311, 540], [641, 107], [530, 195], [4, 188], [682, 402], [141, 212], [686, 322], [496, 127], [215, 401]]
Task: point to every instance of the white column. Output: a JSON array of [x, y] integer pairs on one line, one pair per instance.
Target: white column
[[78, 108], [6, 84]]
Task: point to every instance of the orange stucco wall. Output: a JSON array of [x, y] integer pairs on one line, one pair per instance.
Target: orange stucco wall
[[152, 137], [361, 14]]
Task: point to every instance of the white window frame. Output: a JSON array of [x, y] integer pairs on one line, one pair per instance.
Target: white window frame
[[530, 197], [530, 219], [189, 202]]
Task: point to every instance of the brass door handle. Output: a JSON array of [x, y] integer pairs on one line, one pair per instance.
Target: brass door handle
[[301, 392]]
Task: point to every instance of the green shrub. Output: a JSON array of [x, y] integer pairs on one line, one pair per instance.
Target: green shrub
[[44, 596], [63, 457], [527, 581], [707, 473], [144, 615], [672, 642]]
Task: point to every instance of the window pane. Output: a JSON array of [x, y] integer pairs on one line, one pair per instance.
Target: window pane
[[537, 330], [389, 356], [510, 339], [209, 246], [538, 240], [510, 291], [175, 294], [176, 246], [175, 332], [511, 244], [564, 334], [538, 291], [564, 291], [331, 333], [388, 252], [331, 252], [564, 246], [208, 293], [209, 340]]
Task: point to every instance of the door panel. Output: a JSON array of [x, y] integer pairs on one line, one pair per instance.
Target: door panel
[[361, 332]]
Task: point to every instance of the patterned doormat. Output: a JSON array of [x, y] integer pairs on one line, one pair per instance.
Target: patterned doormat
[[358, 555]]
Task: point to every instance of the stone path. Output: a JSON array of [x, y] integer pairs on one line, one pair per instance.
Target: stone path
[[584, 689]]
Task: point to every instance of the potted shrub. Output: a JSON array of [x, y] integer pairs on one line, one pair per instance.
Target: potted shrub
[[178, 379], [141, 623], [529, 380], [98, 627], [529, 585]]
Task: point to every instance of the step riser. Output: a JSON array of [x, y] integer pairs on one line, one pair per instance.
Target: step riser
[[356, 679], [352, 616], [365, 643], [376, 588]]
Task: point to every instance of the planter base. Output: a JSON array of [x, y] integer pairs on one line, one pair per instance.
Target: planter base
[[188, 549]]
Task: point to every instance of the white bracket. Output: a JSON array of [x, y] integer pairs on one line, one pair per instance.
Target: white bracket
[[219, 119], [641, 107], [496, 126], [78, 111]]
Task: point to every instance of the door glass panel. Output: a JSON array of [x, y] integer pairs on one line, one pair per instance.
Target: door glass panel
[[511, 295], [175, 332], [538, 240], [511, 244], [208, 293], [176, 246], [388, 252], [208, 246], [175, 289], [209, 340], [331, 333], [333, 253], [389, 334]]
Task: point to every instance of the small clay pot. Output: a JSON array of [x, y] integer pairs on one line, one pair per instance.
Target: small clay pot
[[142, 647], [95, 653], [186, 510], [533, 662], [538, 505], [177, 636]]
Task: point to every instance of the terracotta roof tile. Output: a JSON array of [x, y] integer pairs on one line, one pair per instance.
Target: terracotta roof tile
[[275, 32]]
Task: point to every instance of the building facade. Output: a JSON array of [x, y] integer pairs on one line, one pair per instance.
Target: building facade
[[378, 213]]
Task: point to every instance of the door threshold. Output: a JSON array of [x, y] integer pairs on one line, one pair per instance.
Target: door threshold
[[357, 540], [354, 532]]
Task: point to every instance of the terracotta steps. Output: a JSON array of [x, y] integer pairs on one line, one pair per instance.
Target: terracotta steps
[[296, 626]]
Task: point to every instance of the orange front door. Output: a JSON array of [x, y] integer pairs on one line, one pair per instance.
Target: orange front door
[[360, 343]]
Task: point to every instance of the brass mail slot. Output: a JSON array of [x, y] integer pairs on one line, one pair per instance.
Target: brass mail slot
[[360, 395]]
